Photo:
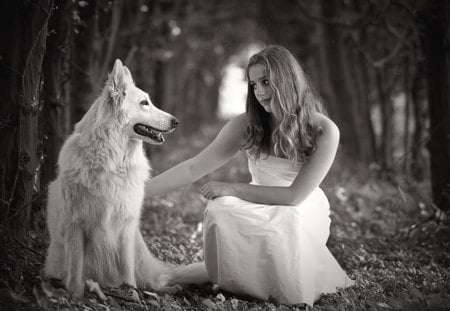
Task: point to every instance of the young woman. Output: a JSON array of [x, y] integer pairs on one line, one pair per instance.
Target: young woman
[[267, 238]]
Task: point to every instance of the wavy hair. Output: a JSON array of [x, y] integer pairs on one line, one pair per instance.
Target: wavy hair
[[293, 105]]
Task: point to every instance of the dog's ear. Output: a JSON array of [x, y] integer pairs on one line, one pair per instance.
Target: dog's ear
[[117, 77], [117, 84], [128, 74]]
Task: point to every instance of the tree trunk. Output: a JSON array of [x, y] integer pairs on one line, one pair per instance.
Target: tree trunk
[[337, 65], [209, 100], [407, 113], [190, 113], [52, 91], [323, 82], [436, 27], [159, 72], [106, 55], [362, 105], [387, 110], [367, 108], [418, 101], [209, 79], [81, 88], [19, 97]]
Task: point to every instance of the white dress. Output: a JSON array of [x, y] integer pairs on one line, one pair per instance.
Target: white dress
[[276, 251]]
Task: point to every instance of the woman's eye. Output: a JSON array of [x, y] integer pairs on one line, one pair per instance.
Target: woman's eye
[[253, 86], [266, 82], [144, 103]]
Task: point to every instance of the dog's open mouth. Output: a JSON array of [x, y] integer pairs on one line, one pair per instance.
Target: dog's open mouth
[[149, 132]]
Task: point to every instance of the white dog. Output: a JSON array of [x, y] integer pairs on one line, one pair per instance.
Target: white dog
[[94, 205]]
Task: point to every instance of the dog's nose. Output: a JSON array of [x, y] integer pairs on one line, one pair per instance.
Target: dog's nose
[[175, 122]]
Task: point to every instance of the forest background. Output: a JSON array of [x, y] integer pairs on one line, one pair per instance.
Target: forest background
[[381, 67]]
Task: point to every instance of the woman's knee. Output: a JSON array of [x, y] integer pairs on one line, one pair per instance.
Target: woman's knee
[[214, 210]]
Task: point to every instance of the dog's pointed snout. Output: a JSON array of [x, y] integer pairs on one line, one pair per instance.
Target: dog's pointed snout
[[175, 122]]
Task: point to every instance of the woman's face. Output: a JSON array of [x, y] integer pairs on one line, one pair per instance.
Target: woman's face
[[260, 84]]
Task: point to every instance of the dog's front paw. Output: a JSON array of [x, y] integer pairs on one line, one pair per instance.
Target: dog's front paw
[[163, 280], [95, 287], [130, 292], [164, 285], [76, 289]]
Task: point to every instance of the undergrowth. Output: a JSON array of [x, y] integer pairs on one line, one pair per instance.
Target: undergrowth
[[382, 233]]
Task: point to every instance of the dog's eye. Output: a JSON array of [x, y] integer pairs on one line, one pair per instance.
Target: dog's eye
[[144, 103]]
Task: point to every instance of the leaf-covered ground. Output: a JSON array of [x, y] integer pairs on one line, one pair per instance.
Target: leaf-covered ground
[[379, 234]]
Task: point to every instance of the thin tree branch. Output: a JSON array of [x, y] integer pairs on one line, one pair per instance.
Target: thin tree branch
[[115, 22], [130, 54], [323, 20], [392, 54], [29, 248]]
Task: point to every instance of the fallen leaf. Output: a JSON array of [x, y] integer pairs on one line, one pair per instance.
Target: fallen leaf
[[234, 303], [151, 294], [220, 297], [209, 304]]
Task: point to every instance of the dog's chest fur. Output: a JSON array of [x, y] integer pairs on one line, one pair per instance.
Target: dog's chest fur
[[111, 183]]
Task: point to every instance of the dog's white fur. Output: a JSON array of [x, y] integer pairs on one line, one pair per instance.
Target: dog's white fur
[[94, 205]]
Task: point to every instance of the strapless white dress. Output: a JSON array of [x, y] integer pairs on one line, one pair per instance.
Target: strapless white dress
[[276, 251]]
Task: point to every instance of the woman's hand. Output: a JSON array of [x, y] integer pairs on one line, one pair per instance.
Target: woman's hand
[[215, 189]]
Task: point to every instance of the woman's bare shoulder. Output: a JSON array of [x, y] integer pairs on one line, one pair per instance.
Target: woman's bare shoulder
[[328, 127]]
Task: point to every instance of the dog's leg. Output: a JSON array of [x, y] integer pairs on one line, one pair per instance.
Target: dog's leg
[[95, 287], [150, 271], [55, 259], [128, 253], [74, 252], [54, 262], [194, 273], [128, 257]]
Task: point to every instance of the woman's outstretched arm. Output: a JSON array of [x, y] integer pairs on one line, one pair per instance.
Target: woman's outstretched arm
[[227, 143], [309, 177]]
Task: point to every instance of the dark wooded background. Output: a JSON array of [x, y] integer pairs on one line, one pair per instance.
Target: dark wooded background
[[382, 68]]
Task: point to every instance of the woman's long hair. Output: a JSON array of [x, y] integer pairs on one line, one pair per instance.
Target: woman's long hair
[[293, 105]]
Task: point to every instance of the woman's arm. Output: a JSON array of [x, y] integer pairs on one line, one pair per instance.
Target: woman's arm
[[309, 177], [227, 143]]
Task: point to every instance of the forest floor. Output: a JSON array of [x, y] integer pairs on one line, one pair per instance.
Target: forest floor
[[379, 234]]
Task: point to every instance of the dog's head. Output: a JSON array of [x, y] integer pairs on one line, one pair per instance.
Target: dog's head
[[139, 117]]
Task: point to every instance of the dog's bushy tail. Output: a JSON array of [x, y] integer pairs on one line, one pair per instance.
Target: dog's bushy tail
[[194, 273], [150, 271]]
